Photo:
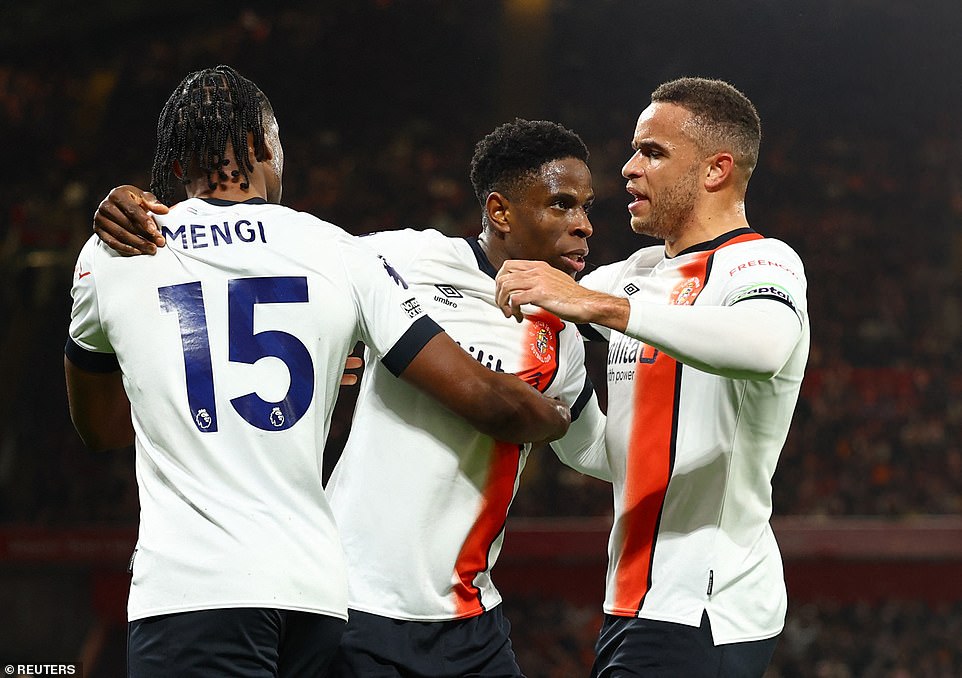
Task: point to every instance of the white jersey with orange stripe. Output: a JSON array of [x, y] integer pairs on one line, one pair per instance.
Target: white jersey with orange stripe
[[693, 449], [421, 497], [232, 342]]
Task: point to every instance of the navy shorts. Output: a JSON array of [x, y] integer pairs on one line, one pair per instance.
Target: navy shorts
[[380, 647], [233, 643], [655, 649]]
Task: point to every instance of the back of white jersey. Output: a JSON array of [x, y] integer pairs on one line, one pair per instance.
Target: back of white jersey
[[232, 340]]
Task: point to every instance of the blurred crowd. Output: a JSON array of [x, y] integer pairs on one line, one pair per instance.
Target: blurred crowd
[[875, 215], [876, 220], [891, 639]]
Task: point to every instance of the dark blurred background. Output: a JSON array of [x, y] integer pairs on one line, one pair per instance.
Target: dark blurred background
[[380, 103]]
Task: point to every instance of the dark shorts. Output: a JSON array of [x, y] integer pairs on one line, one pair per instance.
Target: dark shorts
[[381, 647], [643, 647], [232, 643]]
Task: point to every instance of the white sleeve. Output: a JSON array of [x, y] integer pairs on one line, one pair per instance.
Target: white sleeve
[[86, 329], [751, 340], [401, 247], [583, 446], [751, 334], [392, 323]]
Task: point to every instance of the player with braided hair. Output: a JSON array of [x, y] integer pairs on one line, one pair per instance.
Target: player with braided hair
[[421, 498], [238, 569], [208, 111]]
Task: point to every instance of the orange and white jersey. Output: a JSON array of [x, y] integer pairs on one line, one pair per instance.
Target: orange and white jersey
[[419, 495], [695, 429]]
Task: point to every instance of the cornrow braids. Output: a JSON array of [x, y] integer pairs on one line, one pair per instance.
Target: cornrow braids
[[208, 109]]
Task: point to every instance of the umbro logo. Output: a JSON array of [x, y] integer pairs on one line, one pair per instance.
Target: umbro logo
[[449, 291], [631, 288]]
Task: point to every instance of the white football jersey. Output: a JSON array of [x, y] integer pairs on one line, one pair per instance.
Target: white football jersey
[[420, 496], [232, 342], [693, 454]]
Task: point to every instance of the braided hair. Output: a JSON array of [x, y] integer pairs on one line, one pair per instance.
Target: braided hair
[[208, 109]]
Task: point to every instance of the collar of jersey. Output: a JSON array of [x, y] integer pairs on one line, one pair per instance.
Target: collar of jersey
[[220, 202], [483, 262], [713, 244]]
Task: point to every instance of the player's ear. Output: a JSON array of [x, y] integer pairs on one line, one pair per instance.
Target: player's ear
[[177, 169], [268, 153], [497, 208], [719, 170]]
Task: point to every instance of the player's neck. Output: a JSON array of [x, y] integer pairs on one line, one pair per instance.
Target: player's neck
[[708, 225], [231, 193], [230, 185], [493, 248]]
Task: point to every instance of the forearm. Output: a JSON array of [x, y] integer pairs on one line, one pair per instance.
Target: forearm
[[750, 340], [513, 411], [496, 404]]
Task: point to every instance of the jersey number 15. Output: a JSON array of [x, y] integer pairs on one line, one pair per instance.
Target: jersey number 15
[[245, 346]]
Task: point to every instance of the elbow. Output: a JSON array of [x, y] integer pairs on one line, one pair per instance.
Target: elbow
[[768, 360]]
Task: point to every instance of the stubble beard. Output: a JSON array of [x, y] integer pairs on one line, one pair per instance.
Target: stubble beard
[[674, 208]]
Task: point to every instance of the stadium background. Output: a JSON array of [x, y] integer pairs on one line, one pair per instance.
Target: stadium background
[[380, 103]]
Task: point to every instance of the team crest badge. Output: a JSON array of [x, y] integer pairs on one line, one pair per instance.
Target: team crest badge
[[685, 293], [543, 344]]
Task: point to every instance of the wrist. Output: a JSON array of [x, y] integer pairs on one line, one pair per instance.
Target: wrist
[[609, 311]]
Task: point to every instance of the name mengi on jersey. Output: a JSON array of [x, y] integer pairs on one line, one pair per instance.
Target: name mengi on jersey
[[198, 236]]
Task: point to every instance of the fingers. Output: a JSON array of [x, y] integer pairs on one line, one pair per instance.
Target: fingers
[[505, 295], [114, 227], [123, 222], [352, 363], [153, 204], [149, 202]]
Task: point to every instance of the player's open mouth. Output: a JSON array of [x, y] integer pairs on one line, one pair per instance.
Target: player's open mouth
[[575, 260], [639, 199]]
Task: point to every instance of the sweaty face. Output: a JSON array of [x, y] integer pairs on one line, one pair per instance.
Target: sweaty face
[[548, 216], [663, 173]]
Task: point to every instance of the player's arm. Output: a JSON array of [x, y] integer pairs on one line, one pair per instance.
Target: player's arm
[[752, 339], [99, 407], [583, 446], [537, 282], [497, 404]]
